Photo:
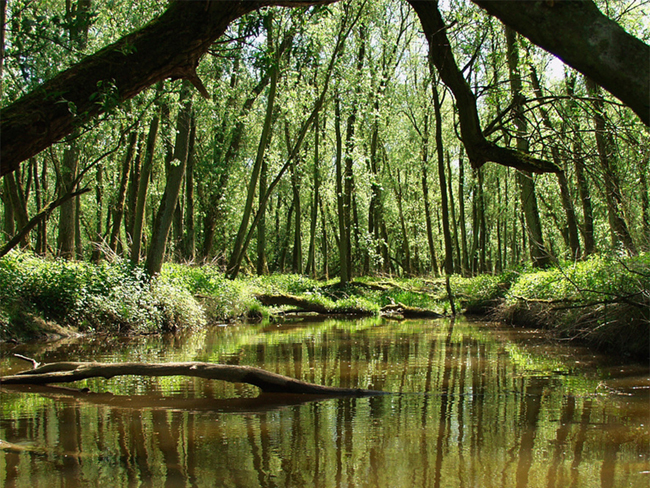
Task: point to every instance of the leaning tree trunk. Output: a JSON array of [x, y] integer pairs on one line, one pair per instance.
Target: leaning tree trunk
[[168, 47], [143, 186], [66, 372], [165, 214]]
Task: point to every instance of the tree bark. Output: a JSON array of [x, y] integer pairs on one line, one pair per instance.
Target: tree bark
[[585, 39]]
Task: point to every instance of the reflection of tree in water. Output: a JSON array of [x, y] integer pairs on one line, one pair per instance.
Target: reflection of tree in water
[[466, 416]]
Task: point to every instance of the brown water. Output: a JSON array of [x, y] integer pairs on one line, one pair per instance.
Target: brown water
[[473, 406]]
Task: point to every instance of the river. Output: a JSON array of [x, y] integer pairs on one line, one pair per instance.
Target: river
[[472, 405]]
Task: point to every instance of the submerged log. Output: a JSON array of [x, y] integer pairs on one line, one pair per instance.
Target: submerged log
[[67, 372]]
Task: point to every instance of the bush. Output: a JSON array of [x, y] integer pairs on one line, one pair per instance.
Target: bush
[[604, 300], [109, 297]]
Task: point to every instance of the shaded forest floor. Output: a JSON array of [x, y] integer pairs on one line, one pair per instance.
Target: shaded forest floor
[[603, 301]]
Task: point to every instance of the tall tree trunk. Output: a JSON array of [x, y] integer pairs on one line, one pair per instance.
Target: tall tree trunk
[[449, 263], [452, 208], [262, 260], [581, 173], [311, 254], [41, 243], [78, 245], [67, 220], [296, 263], [406, 250], [143, 185], [118, 207], [567, 203], [348, 175], [189, 238], [425, 195], [238, 247], [464, 263], [538, 253], [165, 214], [344, 263], [376, 207], [99, 202], [482, 242], [326, 262], [132, 193], [607, 158]]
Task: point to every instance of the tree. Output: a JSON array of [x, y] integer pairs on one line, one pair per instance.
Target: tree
[[171, 46], [538, 253], [165, 214]]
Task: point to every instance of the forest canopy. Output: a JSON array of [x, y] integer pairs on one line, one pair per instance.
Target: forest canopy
[[345, 137]]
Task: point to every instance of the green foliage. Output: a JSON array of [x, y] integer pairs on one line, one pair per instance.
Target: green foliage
[[106, 297], [598, 278], [604, 300], [479, 293]]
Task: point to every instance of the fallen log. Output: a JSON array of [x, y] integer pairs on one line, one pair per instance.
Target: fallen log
[[67, 372]]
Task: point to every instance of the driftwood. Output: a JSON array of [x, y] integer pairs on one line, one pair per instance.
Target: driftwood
[[67, 372]]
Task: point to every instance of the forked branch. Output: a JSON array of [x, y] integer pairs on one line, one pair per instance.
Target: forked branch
[[67, 372]]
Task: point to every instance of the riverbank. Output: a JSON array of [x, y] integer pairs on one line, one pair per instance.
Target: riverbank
[[604, 301]]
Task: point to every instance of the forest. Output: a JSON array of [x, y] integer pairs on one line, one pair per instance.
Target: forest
[[230, 156]]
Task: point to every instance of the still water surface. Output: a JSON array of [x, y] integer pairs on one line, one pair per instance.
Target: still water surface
[[473, 406]]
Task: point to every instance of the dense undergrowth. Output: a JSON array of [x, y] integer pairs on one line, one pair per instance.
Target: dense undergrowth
[[604, 300]]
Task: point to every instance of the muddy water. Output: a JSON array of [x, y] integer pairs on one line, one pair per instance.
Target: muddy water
[[473, 406]]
